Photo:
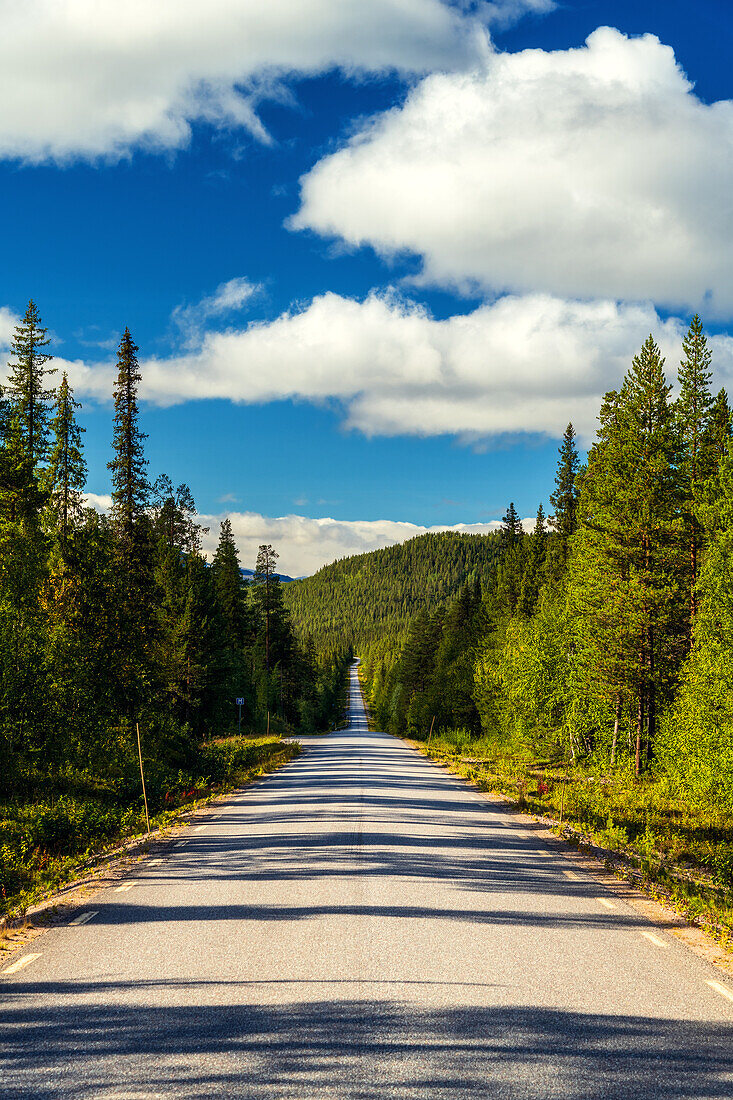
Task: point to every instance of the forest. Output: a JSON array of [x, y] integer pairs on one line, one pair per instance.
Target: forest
[[591, 673], [368, 600], [114, 624]]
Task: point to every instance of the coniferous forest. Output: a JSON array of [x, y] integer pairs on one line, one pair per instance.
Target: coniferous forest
[[589, 672], [114, 623]]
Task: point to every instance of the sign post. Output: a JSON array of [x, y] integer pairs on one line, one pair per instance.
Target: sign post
[[240, 704]]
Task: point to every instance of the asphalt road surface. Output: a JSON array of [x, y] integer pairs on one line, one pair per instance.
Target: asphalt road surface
[[361, 925]]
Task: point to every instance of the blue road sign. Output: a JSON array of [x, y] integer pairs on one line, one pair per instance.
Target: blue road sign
[[239, 702]]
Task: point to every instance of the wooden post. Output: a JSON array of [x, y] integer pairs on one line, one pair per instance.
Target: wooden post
[[142, 776]]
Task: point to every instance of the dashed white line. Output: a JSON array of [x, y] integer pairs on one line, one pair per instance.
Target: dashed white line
[[571, 874], [153, 862], [84, 917], [20, 963], [604, 901], [721, 989], [200, 827], [125, 886], [180, 843], [653, 939]]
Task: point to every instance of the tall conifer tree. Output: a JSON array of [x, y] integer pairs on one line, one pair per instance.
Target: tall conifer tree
[[564, 500], [130, 488], [30, 399], [67, 471], [693, 409], [625, 573]]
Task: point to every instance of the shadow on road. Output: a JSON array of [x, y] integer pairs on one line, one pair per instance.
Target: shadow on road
[[308, 1049]]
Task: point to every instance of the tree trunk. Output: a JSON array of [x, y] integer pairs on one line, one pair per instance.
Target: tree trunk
[[615, 729]]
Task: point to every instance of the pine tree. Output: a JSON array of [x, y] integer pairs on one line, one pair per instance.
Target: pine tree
[[173, 516], [564, 500], [67, 470], [130, 490], [534, 568], [693, 409], [511, 526], [718, 431], [229, 587], [266, 582], [625, 571], [30, 400]]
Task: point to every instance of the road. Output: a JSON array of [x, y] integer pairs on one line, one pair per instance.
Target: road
[[359, 925]]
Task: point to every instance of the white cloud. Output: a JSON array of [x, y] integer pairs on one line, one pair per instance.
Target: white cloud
[[306, 544], [227, 298], [591, 172], [8, 321], [84, 78], [101, 502], [524, 364]]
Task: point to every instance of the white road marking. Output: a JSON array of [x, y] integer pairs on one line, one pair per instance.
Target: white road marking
[[84, 917], [604, 901], [721, 989], [200, 827], [180, 843], [154, 862], [125, 886], [654, 939], [20, 963], [571, 874], [542, 852]]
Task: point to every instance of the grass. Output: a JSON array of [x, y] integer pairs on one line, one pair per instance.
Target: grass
[[47, 840], [686, 851]]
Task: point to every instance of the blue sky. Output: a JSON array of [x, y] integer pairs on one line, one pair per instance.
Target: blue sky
[[375, 258]]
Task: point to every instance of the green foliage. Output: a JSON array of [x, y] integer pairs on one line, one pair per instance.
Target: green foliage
[[107, 623]]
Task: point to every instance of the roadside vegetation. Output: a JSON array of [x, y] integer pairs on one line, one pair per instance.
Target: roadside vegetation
[[591, 673], [114, 624]]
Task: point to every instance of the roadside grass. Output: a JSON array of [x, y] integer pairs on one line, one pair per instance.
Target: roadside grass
[[46, 840], [680, 852]]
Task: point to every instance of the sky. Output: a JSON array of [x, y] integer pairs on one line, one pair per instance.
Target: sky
[[375, 256]]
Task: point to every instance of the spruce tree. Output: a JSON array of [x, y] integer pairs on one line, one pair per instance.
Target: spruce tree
[[534, 567], [229, 587], [693, 409], [266, 581], [30, 399], [718, 431], [67, 470], [173, 516], [511, 525], [564, 500], [625, 575], [130, 490]]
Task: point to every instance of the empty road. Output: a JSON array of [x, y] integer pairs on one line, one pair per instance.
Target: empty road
[[360, 925]]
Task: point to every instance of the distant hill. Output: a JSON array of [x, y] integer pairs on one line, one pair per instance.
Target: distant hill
[[362, 599], [248, 574]]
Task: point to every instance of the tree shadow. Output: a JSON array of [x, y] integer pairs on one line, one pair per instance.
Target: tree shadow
[[230, 1039]]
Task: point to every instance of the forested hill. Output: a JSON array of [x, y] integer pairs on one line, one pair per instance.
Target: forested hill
[[362, 598]]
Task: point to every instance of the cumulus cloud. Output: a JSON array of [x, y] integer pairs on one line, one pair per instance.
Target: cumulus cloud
[[526, 363], [590, 172], [306, 544], [89, 79]]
